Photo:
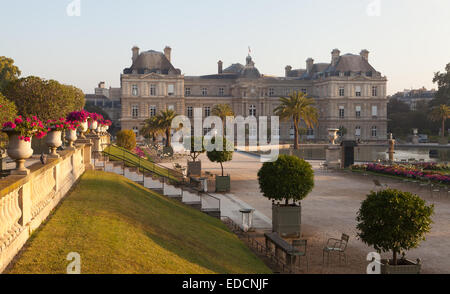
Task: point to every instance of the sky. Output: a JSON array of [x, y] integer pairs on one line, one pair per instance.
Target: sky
[[408, 40]]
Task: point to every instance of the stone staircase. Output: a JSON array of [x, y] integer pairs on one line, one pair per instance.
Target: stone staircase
[[185, 194]]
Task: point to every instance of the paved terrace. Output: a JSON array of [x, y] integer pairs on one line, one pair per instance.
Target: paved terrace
[[330, 210]]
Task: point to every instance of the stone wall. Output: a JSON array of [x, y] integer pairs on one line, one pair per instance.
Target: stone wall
[[26, 201]]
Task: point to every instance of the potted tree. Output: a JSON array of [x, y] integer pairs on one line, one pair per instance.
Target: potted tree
[[395, 221], [194, 167], [223, 183], [286, 182]]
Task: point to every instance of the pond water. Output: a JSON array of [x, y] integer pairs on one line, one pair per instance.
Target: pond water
[[368, 153]]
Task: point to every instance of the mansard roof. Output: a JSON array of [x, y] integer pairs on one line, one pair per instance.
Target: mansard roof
[[152, 62]]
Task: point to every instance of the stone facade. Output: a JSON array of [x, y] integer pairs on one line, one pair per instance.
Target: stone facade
[[348, 91]]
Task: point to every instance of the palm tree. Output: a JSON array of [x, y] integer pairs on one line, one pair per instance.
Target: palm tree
[[164, 122], [222, 111], [298, 107], [151, 128], [441, 113]]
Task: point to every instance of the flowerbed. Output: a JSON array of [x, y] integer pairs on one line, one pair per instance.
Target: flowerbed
[[418, 172]]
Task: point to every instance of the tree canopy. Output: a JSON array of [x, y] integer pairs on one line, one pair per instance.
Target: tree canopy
[[126, 139], [47, 99], [298, 107], [443, 81], [8, 112], [288, 178], [392, 220], [221, 156], [8, 72]]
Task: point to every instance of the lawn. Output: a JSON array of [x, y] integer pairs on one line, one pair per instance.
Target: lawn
[[132, 159], [118, 226]]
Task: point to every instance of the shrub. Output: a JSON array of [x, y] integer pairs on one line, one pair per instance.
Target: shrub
[[221, 156], [8, 112], [392, 220], [126, 139], [288, 178]]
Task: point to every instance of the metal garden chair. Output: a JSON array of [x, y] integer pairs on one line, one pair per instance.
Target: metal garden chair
[[300, 247], [336, 246]]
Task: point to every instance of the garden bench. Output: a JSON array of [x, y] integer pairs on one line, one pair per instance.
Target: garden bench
[[290, 251]]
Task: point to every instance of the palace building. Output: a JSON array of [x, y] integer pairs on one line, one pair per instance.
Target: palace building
[[348, 92]]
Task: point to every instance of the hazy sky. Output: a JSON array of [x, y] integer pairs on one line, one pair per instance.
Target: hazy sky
[[408, 40]]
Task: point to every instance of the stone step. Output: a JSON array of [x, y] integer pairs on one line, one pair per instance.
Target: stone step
[[175, 197], [213, 212], [194, 204]]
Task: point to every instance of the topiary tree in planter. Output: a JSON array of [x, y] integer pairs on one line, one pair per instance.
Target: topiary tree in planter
[[393, 221], [223, 182], [195, 147], [126, 139], [289, 179]]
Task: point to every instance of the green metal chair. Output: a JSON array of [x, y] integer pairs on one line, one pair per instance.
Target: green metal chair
[[336, 246], [300, 247]]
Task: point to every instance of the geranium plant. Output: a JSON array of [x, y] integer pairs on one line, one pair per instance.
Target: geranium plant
[[26, 128], [80, 116]]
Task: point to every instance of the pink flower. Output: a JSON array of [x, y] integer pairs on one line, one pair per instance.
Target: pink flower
[[18, 120]]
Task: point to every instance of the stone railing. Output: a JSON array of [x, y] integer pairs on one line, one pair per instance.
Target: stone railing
[[26, 201]]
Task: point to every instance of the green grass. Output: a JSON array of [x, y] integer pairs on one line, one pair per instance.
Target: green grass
[[132, 159], [118, 226]]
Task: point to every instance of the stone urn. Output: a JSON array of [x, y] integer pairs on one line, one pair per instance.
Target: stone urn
[[83, 129], [93, 126], [71, 136], [332, 135], [53, 141], [99, 129], [19, 150]]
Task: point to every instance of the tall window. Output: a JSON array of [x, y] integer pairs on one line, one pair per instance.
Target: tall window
[[170, 89], [221, 91], [271, 92], [341, 91], [304, 91], [341, 112], [187, 92], [310, 133], [374, 110], [358, 131], [152, 110], [206, 131], [252, 131], [374, 131], [136, 130], [207, 111], [292, 132], [358, 91], [134, 90], [152, 90], [252, 110], [204, 92], [135, 111], [171, 107], [358, 111], [374, 91], [190, 112]]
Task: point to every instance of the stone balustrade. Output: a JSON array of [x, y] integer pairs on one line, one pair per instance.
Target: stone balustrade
[[26, 201]]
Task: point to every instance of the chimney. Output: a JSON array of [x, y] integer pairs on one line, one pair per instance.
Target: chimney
[[365, 55], [135, 51], [220, 67], [335, 56], [167, 52], [287, 70], [309, 64]]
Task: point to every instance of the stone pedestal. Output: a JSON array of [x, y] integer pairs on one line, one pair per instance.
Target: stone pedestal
[[2, 162], [333, 155], [415, 140]]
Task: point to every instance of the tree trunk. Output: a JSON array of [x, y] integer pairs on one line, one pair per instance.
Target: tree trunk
[[221, 165], [287, 202], [443, 127], [168, 138], [295, 135], [394, 258]]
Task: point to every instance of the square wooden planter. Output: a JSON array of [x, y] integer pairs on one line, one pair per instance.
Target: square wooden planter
[[407, 268], [287, 220], [194, 168], [223, 184]]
